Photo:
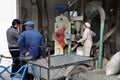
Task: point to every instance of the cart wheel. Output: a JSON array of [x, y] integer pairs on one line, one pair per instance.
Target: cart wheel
[[78, 73]]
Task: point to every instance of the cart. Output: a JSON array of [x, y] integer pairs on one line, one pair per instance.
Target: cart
[[64, 67]]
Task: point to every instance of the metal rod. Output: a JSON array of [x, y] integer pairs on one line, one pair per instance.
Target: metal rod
[[48, 64], [70, 5], [102, 17], [101, 47]]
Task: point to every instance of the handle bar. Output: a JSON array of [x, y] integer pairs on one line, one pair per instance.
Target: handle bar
[[20, 58]]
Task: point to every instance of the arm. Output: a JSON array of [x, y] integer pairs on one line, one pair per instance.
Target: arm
[[93, 34], [43, 50], [21, 44], [16, 34], [84, 36]]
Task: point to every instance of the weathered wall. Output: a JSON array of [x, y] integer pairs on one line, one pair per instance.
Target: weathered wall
[[118, 33], [112, 9], [29, 11]]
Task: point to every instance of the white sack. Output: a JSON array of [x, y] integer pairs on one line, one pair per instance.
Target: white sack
[[119, 76], [79, 51], [113, 66]]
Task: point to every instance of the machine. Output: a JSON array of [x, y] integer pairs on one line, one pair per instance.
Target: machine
[[64, 34]]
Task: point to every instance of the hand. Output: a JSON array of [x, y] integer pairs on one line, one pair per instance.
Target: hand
[[78, 41], [46, 58], [27, 54]]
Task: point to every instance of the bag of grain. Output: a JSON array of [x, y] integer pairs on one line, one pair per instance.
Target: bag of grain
[[119, 76], [79, 51], [113, 66]]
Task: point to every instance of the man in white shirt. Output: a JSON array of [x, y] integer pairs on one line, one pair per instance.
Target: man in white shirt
[[87, 39]]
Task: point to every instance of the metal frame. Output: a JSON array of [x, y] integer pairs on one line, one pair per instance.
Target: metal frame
[[49, 67]]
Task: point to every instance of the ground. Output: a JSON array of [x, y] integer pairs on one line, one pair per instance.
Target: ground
[[93, 75], [100, 75]]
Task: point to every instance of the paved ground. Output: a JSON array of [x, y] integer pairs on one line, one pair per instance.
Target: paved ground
[[93, 75], [7, 77], [100, 75]]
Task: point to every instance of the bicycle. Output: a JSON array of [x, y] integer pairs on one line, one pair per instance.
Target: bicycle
[[22, 68]]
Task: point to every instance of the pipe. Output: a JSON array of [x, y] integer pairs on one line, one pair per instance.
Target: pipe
[[102, 17]]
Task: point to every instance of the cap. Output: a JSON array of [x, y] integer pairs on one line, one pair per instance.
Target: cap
[[87, 24], [29, 24]]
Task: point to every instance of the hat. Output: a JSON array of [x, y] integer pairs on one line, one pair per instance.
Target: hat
[[87, 24], [29, 24]]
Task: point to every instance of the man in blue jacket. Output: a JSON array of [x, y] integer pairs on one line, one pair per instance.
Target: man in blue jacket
[[31, 43]]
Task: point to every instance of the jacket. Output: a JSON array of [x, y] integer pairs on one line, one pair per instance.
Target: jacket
[[32, 41], [12, 37]]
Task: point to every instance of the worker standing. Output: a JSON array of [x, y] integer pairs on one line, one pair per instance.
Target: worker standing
[[31, 43], [12, 38], [87, 39]]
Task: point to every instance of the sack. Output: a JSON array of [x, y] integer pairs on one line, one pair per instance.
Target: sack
[[119, 76], [79, 51], [113, 66]]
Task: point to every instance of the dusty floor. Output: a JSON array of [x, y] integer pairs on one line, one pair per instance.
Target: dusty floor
[[100, 75], [93, 75]]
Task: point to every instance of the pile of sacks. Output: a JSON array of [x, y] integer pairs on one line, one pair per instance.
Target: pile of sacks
[[113, 66]]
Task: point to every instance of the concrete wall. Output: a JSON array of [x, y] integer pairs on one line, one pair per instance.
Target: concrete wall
[[29, 11]]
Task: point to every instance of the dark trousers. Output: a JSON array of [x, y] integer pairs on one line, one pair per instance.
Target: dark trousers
[[27, 75], [17, 65]]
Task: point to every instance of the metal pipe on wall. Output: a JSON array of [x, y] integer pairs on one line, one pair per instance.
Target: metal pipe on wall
[[102, 17]]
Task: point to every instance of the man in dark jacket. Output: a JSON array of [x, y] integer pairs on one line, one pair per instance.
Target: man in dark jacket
[[12, 38]]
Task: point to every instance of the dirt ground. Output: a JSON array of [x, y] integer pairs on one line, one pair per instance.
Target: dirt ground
[[100, 75]]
